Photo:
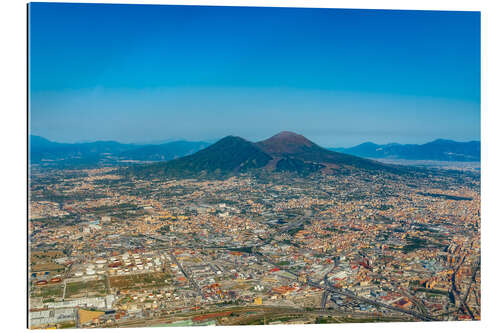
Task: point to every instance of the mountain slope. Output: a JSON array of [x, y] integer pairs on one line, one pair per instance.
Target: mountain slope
[[284, 152], [293, 151], [227, 156]]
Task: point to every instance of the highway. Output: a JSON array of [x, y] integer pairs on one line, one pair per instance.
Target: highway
[[347, 293], [473, 279], [466, 295], [369, 301], [324, 299], [328, 288], [462, 301], [191, 281]]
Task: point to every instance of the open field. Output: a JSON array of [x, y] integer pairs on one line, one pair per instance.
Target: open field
[[135, 281], [48, 291], [83, 288]]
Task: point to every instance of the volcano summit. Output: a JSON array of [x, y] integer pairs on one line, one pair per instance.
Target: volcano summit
[[283, 152]]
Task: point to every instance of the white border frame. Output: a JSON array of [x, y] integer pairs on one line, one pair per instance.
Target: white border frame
[[14, 134]]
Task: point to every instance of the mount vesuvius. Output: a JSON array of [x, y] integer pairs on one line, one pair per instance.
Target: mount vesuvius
[[283, 152]]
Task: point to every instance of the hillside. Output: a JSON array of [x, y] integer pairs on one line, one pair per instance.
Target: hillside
[[227, 156], [284, 152]]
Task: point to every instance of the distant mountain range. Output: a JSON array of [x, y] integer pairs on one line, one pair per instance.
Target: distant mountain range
[[438, 150], [284, 152], [66, 154], [42, 149], [163, 152]]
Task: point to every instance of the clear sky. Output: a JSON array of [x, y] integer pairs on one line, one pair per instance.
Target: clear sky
[[137, 73]]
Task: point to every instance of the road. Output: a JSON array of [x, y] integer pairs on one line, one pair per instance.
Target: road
[[347, 293], [324, 299], [466, 295], [462, 301], [369, 301], [328, 288], [473, 279], [64, 290], [191, 281], [77, 316]]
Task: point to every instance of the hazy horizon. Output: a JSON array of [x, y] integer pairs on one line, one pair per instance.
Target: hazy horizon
[[144, 73], [213, 140]]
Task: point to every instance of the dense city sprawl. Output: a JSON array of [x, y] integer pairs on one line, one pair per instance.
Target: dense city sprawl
[[112, 251]]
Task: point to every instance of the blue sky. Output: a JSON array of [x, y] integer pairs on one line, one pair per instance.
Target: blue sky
[[136, 73]]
